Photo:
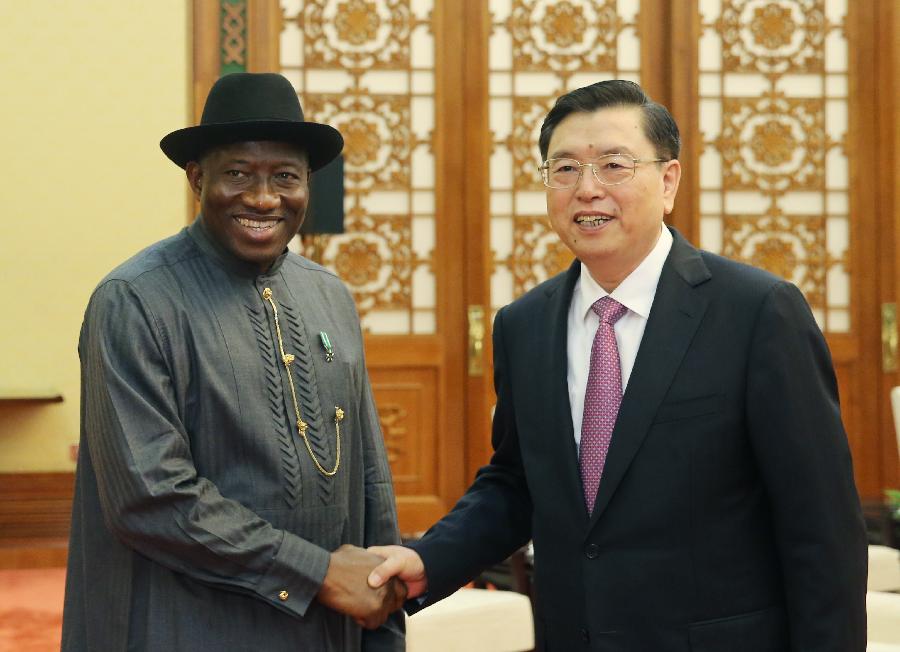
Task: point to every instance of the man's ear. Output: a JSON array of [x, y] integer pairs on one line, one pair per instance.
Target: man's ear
[[195, 177], [670, 179]]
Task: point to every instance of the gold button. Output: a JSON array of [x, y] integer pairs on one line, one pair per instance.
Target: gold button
[[283, 596]]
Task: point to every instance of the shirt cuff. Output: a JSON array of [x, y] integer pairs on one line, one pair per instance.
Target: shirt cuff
[[295, 576]]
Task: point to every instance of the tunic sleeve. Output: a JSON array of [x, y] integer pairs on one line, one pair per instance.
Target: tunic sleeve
[[151, 494]]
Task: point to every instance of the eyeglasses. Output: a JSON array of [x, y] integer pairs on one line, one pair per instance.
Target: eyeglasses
[[610, 170]]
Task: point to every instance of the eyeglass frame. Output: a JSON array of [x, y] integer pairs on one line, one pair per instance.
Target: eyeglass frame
[[544, 167]]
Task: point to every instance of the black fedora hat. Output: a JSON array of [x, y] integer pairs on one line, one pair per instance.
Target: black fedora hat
[[246, 106]]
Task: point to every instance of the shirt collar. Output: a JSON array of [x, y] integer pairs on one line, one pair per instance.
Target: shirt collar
[[638, 289], [208, 245]]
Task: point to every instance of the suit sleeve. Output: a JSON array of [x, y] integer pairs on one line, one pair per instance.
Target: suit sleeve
[[152, 497], [381, 511], [796, 432], [493, 519]]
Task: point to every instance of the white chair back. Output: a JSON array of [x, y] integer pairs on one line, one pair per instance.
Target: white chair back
[[895, 408]]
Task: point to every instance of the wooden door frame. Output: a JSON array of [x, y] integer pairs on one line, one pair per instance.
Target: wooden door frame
[[474, 25], [886, 171]]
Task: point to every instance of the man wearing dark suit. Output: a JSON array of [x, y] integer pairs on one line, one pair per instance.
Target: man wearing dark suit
[[667, 427]]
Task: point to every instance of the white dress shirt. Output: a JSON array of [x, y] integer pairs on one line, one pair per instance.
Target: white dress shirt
[[636, 293]]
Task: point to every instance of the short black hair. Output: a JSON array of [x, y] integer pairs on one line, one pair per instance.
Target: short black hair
[[659, 125]]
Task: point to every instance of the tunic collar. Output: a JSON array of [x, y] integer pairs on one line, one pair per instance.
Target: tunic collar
[[208, 245]]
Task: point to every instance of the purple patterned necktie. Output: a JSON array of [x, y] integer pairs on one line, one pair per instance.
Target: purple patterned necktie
[[601, 398]]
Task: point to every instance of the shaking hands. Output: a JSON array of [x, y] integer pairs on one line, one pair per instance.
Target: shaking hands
[[369, 585], [345, 588]]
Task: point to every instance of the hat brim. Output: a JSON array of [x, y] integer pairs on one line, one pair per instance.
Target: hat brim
[[322, 143]]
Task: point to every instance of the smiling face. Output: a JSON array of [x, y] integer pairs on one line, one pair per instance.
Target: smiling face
[[253, 197], [611, 229]]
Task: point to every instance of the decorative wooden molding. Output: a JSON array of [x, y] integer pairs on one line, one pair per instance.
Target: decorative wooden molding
[[233, 36]]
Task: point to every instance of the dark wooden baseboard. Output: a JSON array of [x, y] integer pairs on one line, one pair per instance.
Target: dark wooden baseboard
[[35, 512]]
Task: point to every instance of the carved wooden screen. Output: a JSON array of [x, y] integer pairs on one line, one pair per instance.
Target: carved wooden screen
[[367, 68], [538, 50], [779, 141], [774, 181], [440, 102]]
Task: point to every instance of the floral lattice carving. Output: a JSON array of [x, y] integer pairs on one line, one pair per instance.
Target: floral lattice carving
[[357, 34], [357, 22], [375, 259], [537, 253], [354, 61], [784, 36], [564, 36], [378, 140], [773, 143], [790, 247], [778, 135], [528, 114], [539, 50]]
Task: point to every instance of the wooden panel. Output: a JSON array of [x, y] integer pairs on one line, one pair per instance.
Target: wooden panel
[[863, 381], [206, 58], [418, 513], [35, 513], [451, 254], [34, 505], [263, 20], [407, 408], [424, 451]]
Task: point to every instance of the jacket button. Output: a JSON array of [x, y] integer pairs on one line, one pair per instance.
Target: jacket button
[[585, 635], [592, 551], [283, 596]]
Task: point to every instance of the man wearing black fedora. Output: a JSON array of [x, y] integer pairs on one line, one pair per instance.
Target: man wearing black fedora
[[231, 466]]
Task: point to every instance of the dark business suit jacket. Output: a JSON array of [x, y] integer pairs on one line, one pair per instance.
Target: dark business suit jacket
[[727, 519]]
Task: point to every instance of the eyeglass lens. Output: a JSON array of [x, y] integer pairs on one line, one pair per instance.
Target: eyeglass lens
[[609, 170]]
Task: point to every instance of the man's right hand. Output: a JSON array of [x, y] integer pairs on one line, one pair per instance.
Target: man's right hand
[[345, 590], [401, 563]]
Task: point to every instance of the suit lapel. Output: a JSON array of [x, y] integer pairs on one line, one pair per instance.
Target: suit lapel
[[553, 388], [676, 313]]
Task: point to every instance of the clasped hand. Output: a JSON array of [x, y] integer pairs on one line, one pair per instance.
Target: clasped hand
[[345, 588]]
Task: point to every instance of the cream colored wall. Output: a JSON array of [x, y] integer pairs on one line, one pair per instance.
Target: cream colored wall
[[89, 88]]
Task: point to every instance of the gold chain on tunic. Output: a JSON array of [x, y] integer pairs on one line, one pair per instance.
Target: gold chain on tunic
[[287, 359]]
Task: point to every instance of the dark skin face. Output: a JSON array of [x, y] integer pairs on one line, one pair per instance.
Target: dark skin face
[[253, 197]]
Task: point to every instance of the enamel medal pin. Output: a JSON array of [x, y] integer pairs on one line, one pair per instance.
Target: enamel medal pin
[[326, 344]]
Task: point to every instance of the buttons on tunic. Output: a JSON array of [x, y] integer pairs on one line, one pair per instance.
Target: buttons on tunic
[[592, 551], [283, 596]]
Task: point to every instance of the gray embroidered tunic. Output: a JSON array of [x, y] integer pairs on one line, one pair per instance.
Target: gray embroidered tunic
[[200, 520]]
